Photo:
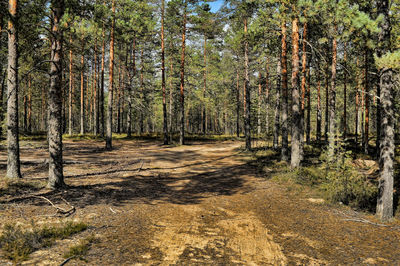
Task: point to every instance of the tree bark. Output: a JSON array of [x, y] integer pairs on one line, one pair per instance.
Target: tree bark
[[247, 120], [111, 83], [71, 89], [165, 121], [101, 94], [267, 98], [277, 105], [141, 118], [319, 111], [182, 74], [82, 117], [366, 85], [203, 115], [296, 108], [303, 86], [308, 126], [13, 159], [132, 72], [332, 102], [285, 94], [95, 94], [237, 104], [259, 103], [384, 208], [29, 104], [56, 177]]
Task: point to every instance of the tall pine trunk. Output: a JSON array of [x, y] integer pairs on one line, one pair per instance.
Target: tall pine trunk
[[319, 111], [13, 160], [82, 117], [182, 75], [259, 103], [203, 115], [384, 208], [285, 95], [366, 85], [164, 101], [237, 104], [247, 122], [345, 93], [277, 105], [296, 108], [101, 93], [71, 89], [111, 84], [56, 177], [95, 94], [303, 86], [332, 102]]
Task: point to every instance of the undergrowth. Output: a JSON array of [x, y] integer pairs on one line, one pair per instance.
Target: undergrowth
[[79, 250], [17, 243]]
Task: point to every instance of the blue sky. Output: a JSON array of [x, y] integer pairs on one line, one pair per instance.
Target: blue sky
[[215, 6]]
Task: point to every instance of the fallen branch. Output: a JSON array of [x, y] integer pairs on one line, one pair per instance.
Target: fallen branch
[[67, 260], [361, 220], [140, 168], [59, 209]]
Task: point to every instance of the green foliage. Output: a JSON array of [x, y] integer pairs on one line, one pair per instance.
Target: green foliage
[[80, 250], [17, 243], [343, 183]]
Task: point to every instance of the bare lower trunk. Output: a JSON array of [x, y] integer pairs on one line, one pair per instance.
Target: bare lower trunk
[[82, 117], [95, 95], [366, 84], [111, 84], [259, 103], [164, 101], [247, 122], [319, 111], [345, 94], [71, 88], [285, 95], [384, 208], [296, 108], [101, 93], [13, 160], [56, 178], [332, 102], [277, 105], [182, 86], [237, 104]]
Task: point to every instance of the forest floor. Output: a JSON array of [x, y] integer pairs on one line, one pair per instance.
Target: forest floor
[[198, 204]]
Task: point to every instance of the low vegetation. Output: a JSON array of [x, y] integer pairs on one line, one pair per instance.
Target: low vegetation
[[79, 250], [17, 242]]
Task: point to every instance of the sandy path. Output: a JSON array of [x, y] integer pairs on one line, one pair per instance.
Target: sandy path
[[198, 204]]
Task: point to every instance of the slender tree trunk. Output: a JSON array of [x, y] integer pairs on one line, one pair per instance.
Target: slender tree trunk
[[118, 98], [259, 103], [203, 115], [327, 98], [247, 119], [3, 82], [29, 104], [165, 120], [345, 93], [56, 178], [303, 87], [384, 208], [285, 100], [237, 104], [277, 105], [82, 117], [308, 127], [101, 93], [111, 84], [267, 99], [332, 105], [95, 94], [71, 89], [171, 101], [25, 102], [319, 111], [357, 107], [366, 84], [182, 87], [378, 120], [296, 107], [141, 119], [132, 75], [13, 160]]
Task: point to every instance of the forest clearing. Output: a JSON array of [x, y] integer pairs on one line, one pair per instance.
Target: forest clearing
[[192, 132], [203, 203]]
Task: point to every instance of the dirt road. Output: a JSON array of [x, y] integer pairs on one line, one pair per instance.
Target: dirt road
[[204, 203]]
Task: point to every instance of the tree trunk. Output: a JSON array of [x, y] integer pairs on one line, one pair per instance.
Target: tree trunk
[[132, 75], [182, 86], [56, 178], [303, 87], [319, 111], [296, 108], [308, 127], [237, 104], [95, 94], [332, 102], [327, 99], [141, 118], [118, 99], [203, 115], [101, 93], [259, 103], [29, 104], [285, 100], [267, 99], [171, 101], [384, 208], [71, 89], [165, 121], [82, 117], [111, 83], [277, 105], [345, 93], [357, 107], [13, 160], [366, 84], [247, 122]]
